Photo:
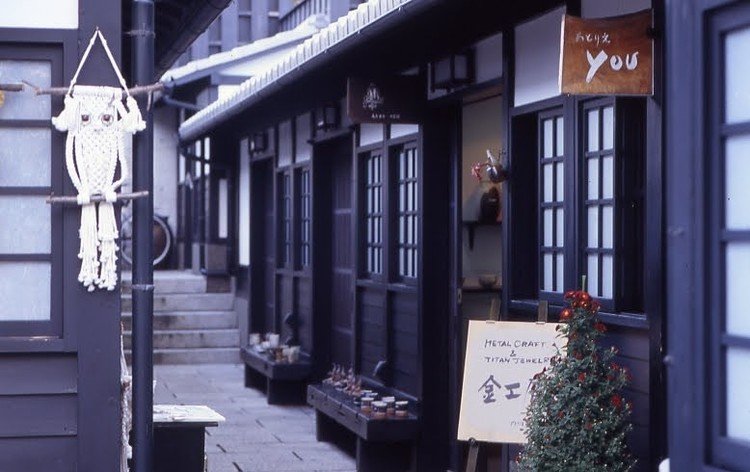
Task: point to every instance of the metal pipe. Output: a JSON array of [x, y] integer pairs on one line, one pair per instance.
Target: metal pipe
[[167, 100], [142, 33]]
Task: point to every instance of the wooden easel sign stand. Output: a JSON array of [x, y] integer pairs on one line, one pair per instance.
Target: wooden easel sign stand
[[502, 357]]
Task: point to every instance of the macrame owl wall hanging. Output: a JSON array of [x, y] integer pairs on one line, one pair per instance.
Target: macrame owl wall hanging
[[97, 121]]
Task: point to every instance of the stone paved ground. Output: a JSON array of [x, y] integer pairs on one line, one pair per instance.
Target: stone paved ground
[[256, 437]]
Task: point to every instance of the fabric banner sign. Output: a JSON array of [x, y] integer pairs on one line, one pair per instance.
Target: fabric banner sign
[[607, 56], [501, 359]]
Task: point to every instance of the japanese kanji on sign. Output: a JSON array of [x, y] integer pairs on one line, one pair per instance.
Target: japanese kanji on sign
[[501, 359], [607, 56]]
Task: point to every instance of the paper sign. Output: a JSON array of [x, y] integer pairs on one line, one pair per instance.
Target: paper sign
[[501, 359], [607, 56]]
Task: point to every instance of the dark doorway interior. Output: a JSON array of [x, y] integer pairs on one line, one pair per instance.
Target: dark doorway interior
[[263, 315], [335, 286]]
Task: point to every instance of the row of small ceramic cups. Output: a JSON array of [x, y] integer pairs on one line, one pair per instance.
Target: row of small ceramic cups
[[271, 340], [387, 406]]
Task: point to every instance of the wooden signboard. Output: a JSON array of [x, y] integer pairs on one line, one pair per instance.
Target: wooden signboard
[[501, 359], [396, 99], [607, 56]]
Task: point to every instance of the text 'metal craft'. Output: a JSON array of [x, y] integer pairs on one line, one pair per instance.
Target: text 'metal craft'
[[502, 357], [607, 56]]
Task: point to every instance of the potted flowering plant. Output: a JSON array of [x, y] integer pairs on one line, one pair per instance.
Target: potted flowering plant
[[577, 419]]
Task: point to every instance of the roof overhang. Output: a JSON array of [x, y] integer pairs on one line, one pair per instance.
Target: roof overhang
[[246, 59], [412, 32], [177, 23]]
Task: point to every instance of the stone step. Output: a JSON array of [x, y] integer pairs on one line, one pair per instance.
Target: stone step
[[224, 355], [186, 302], [191, 339], [177, 320], [170, 281]]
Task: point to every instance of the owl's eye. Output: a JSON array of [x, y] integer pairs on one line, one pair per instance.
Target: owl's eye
[[106, 119], [85, 118]]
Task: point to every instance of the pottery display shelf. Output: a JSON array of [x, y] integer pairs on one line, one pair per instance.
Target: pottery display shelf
[[283, 382], [381, 444]]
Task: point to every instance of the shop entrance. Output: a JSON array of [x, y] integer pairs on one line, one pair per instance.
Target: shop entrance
[[335, 206]]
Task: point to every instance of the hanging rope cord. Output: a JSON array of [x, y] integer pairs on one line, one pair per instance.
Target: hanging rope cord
[[131, 123]]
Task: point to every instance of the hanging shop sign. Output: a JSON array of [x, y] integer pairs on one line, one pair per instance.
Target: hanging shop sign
[[607, 56], [386, 100], [502, 357]]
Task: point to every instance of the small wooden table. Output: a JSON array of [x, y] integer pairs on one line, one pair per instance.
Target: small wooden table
[[179, 436], [283, 383], [382, 444]]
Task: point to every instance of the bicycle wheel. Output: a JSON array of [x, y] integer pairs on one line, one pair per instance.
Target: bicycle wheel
[[161, 234]]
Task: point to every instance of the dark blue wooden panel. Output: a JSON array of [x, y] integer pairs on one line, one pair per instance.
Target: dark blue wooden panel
[[38, 415], [38, 454], [38, 374]]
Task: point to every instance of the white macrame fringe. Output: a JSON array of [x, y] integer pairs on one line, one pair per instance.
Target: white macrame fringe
[[89, 249], [107, 247]]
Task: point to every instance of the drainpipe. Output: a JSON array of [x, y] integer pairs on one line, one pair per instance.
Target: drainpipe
[[142, 33]]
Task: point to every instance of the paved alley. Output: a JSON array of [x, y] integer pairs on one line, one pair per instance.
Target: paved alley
[[256, 437]]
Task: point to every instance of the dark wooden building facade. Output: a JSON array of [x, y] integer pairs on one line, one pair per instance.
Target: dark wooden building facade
[[59, 344], [364, 242]]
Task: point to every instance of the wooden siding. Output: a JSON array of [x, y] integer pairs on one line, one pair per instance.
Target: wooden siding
[[38, 374], [303, 308], [372, 335], [404, 342], [44, 454], [633, 353], [39, 412]]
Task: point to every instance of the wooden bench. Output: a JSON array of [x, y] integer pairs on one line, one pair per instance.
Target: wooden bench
[[282, 382], [179, 437], [381, 444]]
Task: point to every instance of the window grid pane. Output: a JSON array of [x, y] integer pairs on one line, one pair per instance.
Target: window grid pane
[[373, 214], [26, 161], [599, 214], [285, 255], [407, 212], [552, 213], [305, 218], [733, 241]]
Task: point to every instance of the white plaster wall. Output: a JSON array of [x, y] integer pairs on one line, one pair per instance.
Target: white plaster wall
[[489, 58], [537, 64], [604, 8], [39, 14], [244, 206], [165, 164]]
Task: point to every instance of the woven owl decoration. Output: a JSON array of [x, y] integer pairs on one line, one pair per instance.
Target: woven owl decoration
[[97, 119]]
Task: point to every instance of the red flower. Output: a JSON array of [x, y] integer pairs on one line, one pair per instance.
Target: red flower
[[570, 294], [581, 376], [584, 296], [566, 314], [616, 401], [595, 306], [599, 326]]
